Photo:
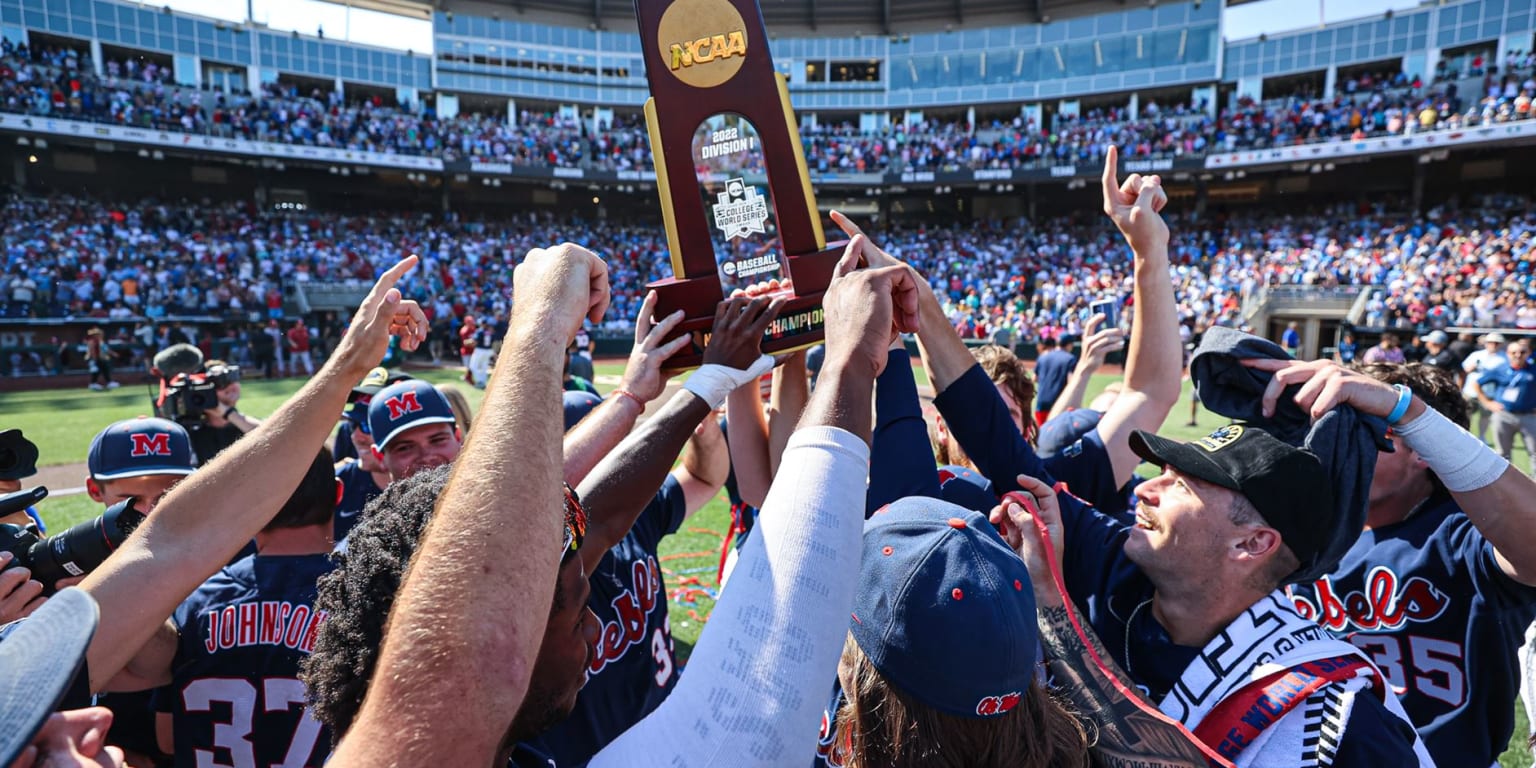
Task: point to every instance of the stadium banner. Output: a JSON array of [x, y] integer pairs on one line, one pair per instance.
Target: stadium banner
[[48, 126], [735, 194], [1522, 131]]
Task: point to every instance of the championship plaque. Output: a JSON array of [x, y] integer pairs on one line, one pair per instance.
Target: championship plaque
[[735, 195]]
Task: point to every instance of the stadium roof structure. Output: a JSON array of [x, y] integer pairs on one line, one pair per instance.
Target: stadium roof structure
[[798, 17]]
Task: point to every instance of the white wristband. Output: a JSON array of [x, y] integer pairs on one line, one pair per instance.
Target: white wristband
[[714, 382], [1461, 461]]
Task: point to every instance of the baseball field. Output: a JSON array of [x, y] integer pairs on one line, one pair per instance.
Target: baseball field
[[62, 423]]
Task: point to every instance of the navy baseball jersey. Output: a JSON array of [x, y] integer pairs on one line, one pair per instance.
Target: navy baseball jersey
[[633, 668], [235, 697], [357, 489], [1426, 599], [1051, 373]]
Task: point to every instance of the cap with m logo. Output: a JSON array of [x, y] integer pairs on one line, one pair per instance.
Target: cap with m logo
[[404, 405], [138, 447]]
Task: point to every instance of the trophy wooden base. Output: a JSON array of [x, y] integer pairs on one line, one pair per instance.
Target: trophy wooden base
[[800, 323]]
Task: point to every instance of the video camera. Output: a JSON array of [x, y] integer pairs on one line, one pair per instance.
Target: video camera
[[188, 395], [74, 552]]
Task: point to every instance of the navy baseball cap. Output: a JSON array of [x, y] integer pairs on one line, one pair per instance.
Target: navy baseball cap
[[577, 406], [404, 405], [41, 656], [1064, 430], [944, 609], [139, 447]]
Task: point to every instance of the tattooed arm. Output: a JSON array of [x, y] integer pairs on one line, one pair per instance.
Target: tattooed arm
[[1124, 730], [1121, 730]]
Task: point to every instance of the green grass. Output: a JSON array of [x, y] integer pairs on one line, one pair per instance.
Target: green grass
[[62, 423]]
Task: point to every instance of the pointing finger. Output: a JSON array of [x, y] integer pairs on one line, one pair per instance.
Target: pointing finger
[[844, 223], [390, 277], [1111, 172]]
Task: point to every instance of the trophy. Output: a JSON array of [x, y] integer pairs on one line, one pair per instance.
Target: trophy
[[730, 170]]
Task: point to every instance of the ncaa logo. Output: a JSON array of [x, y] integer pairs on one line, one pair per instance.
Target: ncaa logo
[[1221, 438], [402, 404], [729, 268], [150, 444]]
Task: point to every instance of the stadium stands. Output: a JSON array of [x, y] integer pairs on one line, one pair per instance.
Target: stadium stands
[[59, 82], [76, 257]]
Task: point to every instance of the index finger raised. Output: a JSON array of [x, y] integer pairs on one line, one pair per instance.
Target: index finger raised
[[844, 223], [1111, 173], [389, 278]]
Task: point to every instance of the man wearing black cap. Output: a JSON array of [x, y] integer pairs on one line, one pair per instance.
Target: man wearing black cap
[[1188, 602]]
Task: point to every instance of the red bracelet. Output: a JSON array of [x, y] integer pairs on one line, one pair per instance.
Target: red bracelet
[[632, 396]]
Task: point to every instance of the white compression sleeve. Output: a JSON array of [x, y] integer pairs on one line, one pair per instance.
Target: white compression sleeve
[[1457, 457], [753, 692]]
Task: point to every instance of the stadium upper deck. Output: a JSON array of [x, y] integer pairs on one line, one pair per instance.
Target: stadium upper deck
[[893, 56]]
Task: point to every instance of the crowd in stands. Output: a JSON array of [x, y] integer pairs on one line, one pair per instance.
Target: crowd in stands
[[149, 262], [62, 82]]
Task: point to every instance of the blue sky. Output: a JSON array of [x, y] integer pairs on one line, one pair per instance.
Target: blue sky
[[373, 28]]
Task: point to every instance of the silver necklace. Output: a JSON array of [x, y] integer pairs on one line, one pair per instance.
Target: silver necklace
[[1128, 621]]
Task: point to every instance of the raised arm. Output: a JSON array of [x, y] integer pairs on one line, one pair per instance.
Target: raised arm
[[206, 519], [1499, 499], [747, 439], [945, 356], [462, 577], [973, 410], [1097, 345], [1154, 361], [705, 465], [588, 442], [758, 677], [617, 491], [900, 458], [791, 391]]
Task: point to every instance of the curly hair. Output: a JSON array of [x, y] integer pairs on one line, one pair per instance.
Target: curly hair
[[359, 594], [1435, 386], [1006, 370]]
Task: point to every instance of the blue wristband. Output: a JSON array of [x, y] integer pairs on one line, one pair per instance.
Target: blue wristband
[[1404, 397]]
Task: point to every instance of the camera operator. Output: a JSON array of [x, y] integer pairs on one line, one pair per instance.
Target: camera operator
[[222, 424], [202, 397]]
